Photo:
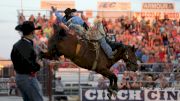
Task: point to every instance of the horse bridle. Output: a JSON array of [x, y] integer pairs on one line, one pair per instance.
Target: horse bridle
[[128, 61]]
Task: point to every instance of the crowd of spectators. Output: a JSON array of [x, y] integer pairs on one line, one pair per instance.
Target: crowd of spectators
[[157, 42], [158, 47]]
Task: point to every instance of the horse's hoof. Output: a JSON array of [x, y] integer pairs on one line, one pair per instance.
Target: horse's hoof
[[109, 96], [114, 93]]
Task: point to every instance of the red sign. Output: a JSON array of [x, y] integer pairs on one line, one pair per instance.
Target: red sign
[[62, 4]]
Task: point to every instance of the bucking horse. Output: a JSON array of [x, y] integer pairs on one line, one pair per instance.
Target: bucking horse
[[88, 55]]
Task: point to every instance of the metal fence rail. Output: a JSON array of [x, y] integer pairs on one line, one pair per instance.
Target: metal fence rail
[[76, 78]]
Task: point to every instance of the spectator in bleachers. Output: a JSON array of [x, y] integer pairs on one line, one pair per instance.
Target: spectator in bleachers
[[39, 17], [48, 29], [32, 18], [162, 82], [149, 82], [21, 18], [136, 81], [59, 90], [39, 20], [143, 24], [172, 80], [13, 87], [157, 66], [152, 58], [139, 52], [165, 39], [145, 56], [44, 18], [117, 27], [102, 83], [124, 83]]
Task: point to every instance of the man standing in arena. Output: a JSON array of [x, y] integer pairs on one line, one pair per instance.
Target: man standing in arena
[[26, 63]]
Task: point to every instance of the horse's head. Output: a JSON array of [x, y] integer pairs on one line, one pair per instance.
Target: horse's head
[[130, 58], [53, 51], [127, 53]]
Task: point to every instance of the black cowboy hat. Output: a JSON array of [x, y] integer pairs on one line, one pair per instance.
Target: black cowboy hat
[[67, 11], [26, 27], [73, 10]]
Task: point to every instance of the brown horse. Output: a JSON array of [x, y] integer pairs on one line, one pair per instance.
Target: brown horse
[[65, 43]]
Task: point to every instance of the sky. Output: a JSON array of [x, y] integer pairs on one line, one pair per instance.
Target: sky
[[8, 17]]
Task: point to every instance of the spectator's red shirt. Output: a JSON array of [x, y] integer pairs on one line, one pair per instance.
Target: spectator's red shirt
[[174, 33], [152, 60], [162, 55]]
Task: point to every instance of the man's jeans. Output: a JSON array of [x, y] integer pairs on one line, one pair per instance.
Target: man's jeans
[[29, 87], [106, 47]]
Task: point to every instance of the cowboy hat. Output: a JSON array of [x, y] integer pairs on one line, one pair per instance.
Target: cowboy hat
[[73, 10], [67, 11], [26, 27]]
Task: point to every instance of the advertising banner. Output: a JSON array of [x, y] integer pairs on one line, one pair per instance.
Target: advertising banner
[[113, 14], [60, 4], [131, 95], [158, 6], [114, 6], [4, 88], [152, 15]]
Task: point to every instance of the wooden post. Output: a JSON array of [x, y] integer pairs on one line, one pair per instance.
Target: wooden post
[[50, 66]]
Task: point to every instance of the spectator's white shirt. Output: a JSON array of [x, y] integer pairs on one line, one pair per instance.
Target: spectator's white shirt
[[59, 87]]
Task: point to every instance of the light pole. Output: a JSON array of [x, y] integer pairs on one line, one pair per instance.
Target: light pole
[[21, 6]]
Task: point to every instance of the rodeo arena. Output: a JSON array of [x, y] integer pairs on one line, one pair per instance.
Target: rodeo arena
[[114, 53]]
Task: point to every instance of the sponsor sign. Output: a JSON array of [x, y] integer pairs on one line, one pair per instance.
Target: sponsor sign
[[131, 95], [114, 6], [113, 14], [4, 87], [171, 15], [59, 4], [158, 6]]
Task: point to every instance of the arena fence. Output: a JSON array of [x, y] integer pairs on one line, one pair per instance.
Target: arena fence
[[75, 80]]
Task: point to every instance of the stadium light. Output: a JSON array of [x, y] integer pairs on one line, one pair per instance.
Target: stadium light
[[21, 7]]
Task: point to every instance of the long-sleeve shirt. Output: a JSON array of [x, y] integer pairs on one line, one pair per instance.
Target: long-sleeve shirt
[[23, 57]]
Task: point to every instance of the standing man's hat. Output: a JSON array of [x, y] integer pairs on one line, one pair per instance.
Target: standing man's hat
[[26, 27]]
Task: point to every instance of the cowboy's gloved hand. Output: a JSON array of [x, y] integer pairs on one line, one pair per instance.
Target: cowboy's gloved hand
[[53, 8]]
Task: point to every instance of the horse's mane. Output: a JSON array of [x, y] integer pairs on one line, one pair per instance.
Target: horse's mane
[[59, 33]]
